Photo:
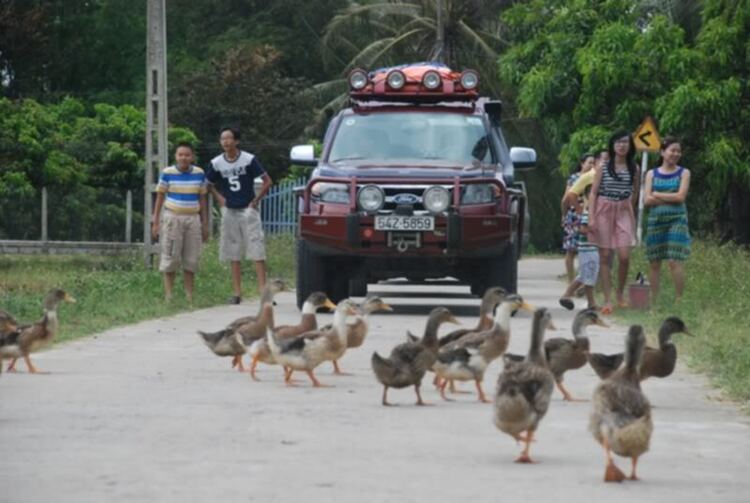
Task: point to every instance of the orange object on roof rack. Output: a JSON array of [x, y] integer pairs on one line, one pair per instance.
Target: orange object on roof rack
[[415, 83]]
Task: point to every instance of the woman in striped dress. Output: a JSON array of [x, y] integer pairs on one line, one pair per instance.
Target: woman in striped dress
[[614, 195], [667, 235]]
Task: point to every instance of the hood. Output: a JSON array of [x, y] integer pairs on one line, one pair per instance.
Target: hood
[[429, 169]]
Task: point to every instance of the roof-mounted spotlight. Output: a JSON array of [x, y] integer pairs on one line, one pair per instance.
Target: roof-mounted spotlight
[[358, 79], [396, 79], [431, 80], [469, 79]]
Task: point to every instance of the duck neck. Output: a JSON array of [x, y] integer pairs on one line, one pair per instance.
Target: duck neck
[[266, 315], [536, 355], [429, 338], [632, 359], [579, 328], [502, 315], [50, 319], [665, 336], [309, 321], [339, 323]]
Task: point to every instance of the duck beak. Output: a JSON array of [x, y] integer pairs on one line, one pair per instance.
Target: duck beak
[[551, 326], [453, 320], [601, 323], [69, 298], [330, 305], [687, 332], [527, 307], [385, 307]]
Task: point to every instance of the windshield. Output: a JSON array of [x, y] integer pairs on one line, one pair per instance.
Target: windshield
[[420, 136]]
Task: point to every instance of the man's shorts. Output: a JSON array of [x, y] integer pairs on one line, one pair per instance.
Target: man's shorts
[[588, 267], [241, 235], [180, 242]]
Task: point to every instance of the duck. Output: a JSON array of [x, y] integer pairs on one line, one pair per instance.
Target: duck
[[409, 361], [308, 350], [492, 297], [260, 351], [235, 337], [8, 323], [467, 357], [524, 389], [568, 354], [656, 362], [620, 418], [27, 339], [357, 332]]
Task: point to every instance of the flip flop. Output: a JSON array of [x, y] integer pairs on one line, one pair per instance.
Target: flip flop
[[606, 310], [567, 303]]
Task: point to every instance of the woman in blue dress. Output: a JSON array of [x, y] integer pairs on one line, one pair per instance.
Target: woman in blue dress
[[668, 237]]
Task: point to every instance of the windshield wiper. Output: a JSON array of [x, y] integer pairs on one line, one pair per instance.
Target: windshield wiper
[[352, 158]]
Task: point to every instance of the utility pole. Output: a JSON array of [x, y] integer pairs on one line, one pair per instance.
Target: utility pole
[[439, 52], [156, 111]]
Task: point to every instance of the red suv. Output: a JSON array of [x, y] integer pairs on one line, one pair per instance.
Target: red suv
[[414, 180]]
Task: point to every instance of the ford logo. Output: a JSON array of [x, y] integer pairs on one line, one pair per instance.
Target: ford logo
[[405, 199]]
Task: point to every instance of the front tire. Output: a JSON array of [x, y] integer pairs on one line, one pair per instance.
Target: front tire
[[310, 272]]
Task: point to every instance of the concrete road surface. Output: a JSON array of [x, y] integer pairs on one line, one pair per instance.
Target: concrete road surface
[[146, 413]]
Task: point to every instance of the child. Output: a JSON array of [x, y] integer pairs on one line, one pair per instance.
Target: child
[[588, 267], [182, 193]]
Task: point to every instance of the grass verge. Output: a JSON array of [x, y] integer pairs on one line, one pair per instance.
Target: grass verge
[[114, 291], [715, 308]]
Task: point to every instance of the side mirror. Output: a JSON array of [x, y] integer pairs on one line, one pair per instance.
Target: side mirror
[[304, 155], [522, 157]]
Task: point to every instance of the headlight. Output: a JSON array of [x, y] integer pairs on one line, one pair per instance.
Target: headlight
[[358, 79], [370, 198], [436, 199], [478, 194], [331, 192], [396, 79], [431, 80], [469, 79]]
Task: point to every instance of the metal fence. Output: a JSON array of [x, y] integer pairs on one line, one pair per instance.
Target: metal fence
[[279, 209]]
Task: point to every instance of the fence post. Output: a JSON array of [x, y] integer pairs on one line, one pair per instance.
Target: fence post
[[128, 216], [44, 214]]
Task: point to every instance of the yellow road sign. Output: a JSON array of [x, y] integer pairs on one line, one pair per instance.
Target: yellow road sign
[[647, 137]]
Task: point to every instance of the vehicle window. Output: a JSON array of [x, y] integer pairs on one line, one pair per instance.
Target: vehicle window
[[419, 136]]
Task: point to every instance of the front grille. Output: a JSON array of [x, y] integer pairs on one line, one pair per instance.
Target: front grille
[[405, 195]]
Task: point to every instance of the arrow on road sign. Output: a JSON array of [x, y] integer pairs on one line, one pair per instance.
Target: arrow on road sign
[[647, 137]]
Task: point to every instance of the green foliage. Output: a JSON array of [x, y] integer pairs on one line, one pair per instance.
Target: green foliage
[[87, 157], [718, 321], [112, 291], [587, 67]]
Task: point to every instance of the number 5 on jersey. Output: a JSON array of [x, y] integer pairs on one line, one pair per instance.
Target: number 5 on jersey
[[234, 183]]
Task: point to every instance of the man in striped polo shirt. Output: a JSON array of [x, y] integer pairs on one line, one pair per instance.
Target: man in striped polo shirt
[[182, 192]]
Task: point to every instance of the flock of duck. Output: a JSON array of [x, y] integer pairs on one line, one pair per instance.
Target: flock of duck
[[620, 418]]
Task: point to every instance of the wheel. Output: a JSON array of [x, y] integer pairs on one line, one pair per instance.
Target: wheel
[[498, 271], [310, 272], [338, 285]]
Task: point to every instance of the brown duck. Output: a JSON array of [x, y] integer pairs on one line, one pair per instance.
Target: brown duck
[[408, 362], [620, 417], [231, 340], [261, 352], [656, 362], [468, 357], [30, 338], [524, 389]]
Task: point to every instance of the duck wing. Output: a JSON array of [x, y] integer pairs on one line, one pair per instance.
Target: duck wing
[[605, 365]]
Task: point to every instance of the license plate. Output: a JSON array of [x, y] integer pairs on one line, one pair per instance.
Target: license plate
[[404, 223]]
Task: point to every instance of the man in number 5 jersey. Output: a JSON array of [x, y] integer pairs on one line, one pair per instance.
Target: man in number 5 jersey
[[232, 176]]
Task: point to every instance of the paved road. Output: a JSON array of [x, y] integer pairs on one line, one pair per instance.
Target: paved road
[[145, 413]]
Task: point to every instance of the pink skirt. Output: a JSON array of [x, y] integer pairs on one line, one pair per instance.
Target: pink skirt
[[615, 224]]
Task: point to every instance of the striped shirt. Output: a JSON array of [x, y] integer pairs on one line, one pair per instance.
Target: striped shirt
[[616, 189], [183, 189], [584, 244]]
